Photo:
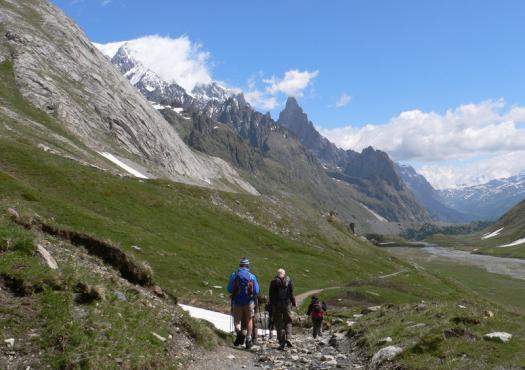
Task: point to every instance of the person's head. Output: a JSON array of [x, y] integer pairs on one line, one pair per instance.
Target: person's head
[[315, 299], [281, 273], [244, 262]]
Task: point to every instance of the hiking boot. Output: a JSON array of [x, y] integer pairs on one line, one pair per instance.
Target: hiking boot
[[249, 343], [239, 339], [281, 346], [288, 344]]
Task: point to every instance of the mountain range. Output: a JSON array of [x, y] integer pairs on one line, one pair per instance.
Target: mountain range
[[487, 201], [221, 123]]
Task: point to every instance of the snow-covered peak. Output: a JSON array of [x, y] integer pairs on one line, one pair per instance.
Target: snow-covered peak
[[212, 91]]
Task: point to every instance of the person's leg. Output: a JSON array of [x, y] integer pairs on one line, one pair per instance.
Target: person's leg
[[288, 324], [248, 317], [320, 330], [237, 318], [279, 326]]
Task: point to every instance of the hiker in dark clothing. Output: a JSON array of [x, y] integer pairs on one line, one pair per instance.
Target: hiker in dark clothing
[[316, 311], [243, 287], [281, 301]]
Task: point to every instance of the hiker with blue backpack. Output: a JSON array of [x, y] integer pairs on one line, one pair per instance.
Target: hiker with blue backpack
[[244, 288]]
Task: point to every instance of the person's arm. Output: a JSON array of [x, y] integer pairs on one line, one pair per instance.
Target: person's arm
[[325, 308], [255, 286], [292, 297], [230, 283], [310, 309]]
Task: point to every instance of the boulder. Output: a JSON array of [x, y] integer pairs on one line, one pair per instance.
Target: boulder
[[370, 309], [488, 314], [13, 214], [10, 342], [498, 336], [384, 354]]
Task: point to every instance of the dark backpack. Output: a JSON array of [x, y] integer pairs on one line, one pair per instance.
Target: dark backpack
[[243, 284], [317, 310], [282, 290]]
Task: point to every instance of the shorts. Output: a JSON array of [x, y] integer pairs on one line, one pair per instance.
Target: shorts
[[243, 313]]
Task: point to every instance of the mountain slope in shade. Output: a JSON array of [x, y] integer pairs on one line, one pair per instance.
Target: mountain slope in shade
[[430, 197], [487, 201], [370, 172], [59, 71]]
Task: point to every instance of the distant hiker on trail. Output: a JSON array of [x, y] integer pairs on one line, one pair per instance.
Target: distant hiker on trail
[[243, 287], [351, 227], [316, 311], [281, 301]]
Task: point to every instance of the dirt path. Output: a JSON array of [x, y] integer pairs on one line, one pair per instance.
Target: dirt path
[[301, 297]]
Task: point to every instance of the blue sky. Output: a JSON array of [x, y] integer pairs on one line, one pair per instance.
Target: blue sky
[[389, 56]]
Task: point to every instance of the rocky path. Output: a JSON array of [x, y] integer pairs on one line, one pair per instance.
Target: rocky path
[[332, 351]]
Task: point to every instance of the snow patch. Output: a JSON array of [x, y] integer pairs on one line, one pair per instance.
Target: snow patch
[[492, 234], [178, 109], [516, 242], [379, 217], [122, 165]]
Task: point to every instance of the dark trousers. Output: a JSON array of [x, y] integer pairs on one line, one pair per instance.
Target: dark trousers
[[282, 316], [317, 323]]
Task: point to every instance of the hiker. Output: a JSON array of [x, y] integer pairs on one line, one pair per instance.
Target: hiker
[[316, 311], [281, 301], [243, 287]]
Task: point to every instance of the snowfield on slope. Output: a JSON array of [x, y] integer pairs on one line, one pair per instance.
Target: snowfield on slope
[[514, 243], [379, 217], [122, 165], [222, 321], [492, 234]]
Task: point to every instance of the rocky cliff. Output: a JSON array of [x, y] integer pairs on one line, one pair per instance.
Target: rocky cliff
[[58, 70]]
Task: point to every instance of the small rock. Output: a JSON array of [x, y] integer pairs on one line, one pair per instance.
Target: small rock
[[170, 336], [13, 214], [498, 336], [158, 291], [332, 362], [384, 341], [159, 337], [415, 326], [421, 307], [120, 296], [231, 357], [10, 342], [371, 309], [307, 271], [217, 287], [461, 306], [358, 315], [350, 323], [327, 358], [295, 358], [136, 247], [50, 261], [488, 314], [385, 354]]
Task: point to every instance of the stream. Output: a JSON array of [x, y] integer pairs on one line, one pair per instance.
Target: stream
[[513, 267]]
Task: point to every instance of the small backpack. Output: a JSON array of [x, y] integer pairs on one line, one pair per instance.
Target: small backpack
[[317, 310], [243, 284]]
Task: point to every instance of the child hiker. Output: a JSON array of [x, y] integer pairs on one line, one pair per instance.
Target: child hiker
[[316, 311]]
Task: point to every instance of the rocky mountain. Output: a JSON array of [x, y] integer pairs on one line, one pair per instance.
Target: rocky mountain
[[203, 97], [59, 71], [429, 197], [487, 201], [371, 172]]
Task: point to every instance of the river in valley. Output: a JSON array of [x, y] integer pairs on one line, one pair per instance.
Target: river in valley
[[513, 267]]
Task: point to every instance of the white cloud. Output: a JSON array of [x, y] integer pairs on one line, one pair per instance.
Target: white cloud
[[466, 131], [105, 2], [343, 100], [173, 59], [488, 135], [479, 172], [292, 84]]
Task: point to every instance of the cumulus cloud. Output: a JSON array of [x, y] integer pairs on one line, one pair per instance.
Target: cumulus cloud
[[483, 141], [292, 84], [105, 2], [466, 131], [176, 60], [343, 100]]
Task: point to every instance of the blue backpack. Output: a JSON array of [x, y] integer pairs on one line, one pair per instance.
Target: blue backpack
[[243, 284]]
